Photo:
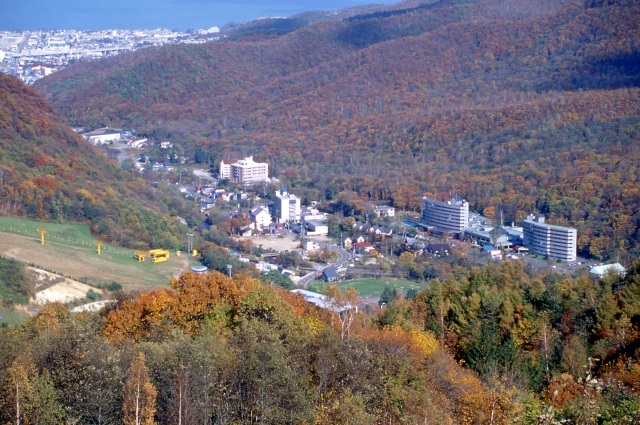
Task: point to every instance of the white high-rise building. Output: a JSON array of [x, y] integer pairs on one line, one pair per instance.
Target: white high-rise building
[[225, 171], [286, 207], [451, 216], [245, 171], [552, 241]]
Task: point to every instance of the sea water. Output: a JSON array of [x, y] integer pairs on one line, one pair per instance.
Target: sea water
[[181, 15]]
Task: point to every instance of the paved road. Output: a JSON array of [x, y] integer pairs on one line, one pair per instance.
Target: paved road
[[343, 257]]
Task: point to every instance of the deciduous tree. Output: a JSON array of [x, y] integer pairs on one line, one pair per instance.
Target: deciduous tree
[[139, 404]]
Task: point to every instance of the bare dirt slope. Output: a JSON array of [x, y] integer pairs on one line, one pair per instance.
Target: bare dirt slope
[[51, 287]]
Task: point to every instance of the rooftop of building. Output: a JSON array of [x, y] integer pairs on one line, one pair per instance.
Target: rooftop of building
[[604, 269], [549, 226], [456, 200]]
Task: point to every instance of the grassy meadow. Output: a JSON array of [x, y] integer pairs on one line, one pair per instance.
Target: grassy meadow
[[71, 250], [368, 287]]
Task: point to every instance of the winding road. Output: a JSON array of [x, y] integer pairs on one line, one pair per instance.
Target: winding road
[[343, 257]]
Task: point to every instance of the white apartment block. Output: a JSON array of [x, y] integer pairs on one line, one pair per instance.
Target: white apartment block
[[286, 207], [245, 171], [451, 216], [552, 241], [225, 171]]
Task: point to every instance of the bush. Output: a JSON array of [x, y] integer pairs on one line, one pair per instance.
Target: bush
[[92, 295], [14, 284], [114, 286]]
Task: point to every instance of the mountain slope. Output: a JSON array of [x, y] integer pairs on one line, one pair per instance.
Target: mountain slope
[[49, 173], [466, 97]]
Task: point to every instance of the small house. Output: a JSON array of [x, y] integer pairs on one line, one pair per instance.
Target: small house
[[310, 245], [330, 275], [276, 229]]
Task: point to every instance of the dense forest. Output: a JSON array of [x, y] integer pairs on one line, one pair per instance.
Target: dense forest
[[49, 173], [520, 107], [491, 345]]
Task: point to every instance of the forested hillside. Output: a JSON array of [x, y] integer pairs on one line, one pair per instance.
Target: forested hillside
[[491, 345], [519, 106], [49, 173]]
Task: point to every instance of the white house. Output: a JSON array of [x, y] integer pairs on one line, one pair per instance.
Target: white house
[[260, 217], [310, 245], [384, 211], [265, 267]]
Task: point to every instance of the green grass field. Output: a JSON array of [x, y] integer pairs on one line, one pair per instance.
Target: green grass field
[[72, 233], [371, 287], [70, 250]]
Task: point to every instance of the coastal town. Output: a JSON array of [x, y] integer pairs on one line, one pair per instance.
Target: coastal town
[[31, 55]]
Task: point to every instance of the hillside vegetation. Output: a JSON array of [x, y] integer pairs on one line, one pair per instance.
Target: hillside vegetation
[[496, 344], [14, 284], [49, 173], [518, 106]]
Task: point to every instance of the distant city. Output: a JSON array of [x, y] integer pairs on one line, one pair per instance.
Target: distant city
[[31, 55]]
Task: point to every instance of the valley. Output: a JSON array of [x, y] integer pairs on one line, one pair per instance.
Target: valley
[[477, 163]]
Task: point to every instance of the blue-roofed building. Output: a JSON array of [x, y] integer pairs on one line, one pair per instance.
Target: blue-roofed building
[[330, 274], [494, 253]]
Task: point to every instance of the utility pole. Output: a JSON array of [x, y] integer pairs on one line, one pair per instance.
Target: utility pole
[[189, 243], [43, 232]]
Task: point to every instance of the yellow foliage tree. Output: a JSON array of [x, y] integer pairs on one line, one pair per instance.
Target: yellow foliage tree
[[85, 194], [139, 404], [49, 319], [31, 395], [134, 319], [197, 293]]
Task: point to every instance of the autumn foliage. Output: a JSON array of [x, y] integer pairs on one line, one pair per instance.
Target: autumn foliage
[[484, 345], [49, 173], [521, 107], [187, 305]]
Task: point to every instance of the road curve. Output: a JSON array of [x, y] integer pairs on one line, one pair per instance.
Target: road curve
[[343, 257]]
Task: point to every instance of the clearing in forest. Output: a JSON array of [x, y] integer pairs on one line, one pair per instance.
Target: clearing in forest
[[70, 250]]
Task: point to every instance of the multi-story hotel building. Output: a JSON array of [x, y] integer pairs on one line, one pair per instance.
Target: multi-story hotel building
[[286, 207], [245, 171], [548, 240], [451, 216]]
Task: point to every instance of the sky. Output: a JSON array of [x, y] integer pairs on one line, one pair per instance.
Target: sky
[[149, 14]]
